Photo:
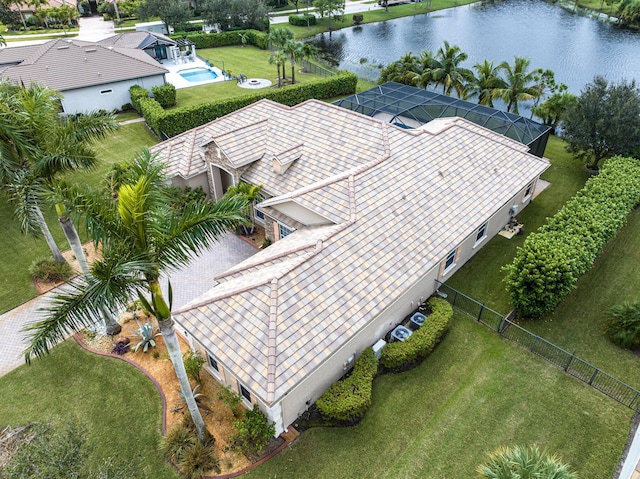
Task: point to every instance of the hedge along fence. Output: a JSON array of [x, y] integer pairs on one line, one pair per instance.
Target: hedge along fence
[[547, 267], [152, 112], [173, 122], [302, 20], [403, 355], [226, 39], [347, 400]]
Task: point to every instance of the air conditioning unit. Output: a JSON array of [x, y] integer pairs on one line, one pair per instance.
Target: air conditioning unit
[[377, 348]]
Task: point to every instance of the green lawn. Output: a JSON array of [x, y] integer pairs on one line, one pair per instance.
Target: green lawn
[[576, 324], [16, 286], [473, 394], [119, 405]]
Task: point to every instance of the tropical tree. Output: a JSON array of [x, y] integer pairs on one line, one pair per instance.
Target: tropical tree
[[278, 58], [405, 70], [171, 13], [446, 70], [554, 109], [141, 237], [524, 462], [278, 37], [332, 9], [423, 77], [484, 82], [309, 52], [520, 83], [37, 145], [605, 121], [250, 193], [293, 50]]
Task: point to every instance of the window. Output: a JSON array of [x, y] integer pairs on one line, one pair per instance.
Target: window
[[244, 392], [528, 191], [284, 230], [450, 261], [481, 234], [104, 92], [214, 364], [258, 214]]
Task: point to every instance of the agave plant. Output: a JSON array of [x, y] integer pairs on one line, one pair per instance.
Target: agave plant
[[199, 397], [146, 332]]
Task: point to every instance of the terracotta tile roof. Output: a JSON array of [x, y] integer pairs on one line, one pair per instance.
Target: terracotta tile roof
[[401, 200], [66, 64]]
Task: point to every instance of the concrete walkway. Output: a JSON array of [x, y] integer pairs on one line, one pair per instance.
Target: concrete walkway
[[188, 284]]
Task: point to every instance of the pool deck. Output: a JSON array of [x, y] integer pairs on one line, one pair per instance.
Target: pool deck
[[179, 82]]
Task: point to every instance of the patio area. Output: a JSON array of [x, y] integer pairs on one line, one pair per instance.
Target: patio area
[[190, 70]]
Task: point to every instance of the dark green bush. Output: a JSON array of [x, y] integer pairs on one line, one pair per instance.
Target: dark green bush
[[253, 432], [551, 261], [302, 20], [49, 270], [137, 93], [165, 95], [347, 400], [193, 362], [225, 39], [623, 326], [358, 18], [403, 355], [193, 457], [153, 113], [179, 120]]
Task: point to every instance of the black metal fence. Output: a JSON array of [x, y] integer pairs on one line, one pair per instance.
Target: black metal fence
[[316, 69], [571, 364]]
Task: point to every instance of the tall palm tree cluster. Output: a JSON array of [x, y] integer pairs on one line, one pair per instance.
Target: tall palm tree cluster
[[511, 83], [287, 49]]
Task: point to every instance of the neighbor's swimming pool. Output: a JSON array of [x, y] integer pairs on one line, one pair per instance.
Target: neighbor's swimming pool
[[198, 74]]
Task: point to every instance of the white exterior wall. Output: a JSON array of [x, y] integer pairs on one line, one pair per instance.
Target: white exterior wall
[[90, 98]]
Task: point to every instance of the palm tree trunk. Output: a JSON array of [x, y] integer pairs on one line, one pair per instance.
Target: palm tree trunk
[[173, 348], [55, 251], [112, 327], [293, 73], [73, 238]]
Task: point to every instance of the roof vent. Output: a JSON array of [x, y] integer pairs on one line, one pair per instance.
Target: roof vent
[[63, 47], [90, 50]]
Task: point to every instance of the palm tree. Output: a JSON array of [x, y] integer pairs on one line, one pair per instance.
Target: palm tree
[[141, 237], [446, 69], [250, 193], [405, 70], [278, 58], [519, 462], [424, 75], [38, 144], [520, 83], [278, 37], [293, 50], [484, 83], [309, 52]]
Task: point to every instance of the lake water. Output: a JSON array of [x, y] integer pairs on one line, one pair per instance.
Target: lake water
[[575, 47]]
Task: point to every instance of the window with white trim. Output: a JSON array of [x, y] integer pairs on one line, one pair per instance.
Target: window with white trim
[[284, 230], [244, 392], [482, 233], [450, 261], [259, 215], [528, 190], [214, 364]]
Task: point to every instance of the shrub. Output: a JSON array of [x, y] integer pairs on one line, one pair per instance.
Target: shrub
[[137, 93], [178, 439], [623, 326], [358, 18], [194, 458], [146, 333], [120, 348], [231, 399], [176, 121], [126, 107], [547, 267], [302, 20], [347, 400], [198, 459], [253, 432], [49, 270], [225, 39], [402, 355], [165, 95], [193, 362]]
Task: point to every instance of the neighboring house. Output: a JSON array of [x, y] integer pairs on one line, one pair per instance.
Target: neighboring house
[[156, 45], [27, 9], [366, 216], [89, 75]]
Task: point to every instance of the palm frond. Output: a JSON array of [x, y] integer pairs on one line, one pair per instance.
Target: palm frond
[[109, 287], [22, 190], [91, 127]]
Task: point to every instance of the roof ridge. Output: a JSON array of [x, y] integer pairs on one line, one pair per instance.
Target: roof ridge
[[272, 333]]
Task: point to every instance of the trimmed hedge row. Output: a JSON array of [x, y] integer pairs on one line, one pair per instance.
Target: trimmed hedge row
[[137, 93], [301, 20], [348, 399], [176, 121], [402, 355], [152, 112], [547, 267], [165, 95], [225, 39]]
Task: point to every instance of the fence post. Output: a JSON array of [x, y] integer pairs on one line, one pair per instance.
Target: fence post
[[595, 373], [455, 296], [501, 325], [535, 341], [635, 400], [566, 366], [480, 313]]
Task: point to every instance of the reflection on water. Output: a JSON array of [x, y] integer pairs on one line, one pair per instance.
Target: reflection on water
[[575, 47]]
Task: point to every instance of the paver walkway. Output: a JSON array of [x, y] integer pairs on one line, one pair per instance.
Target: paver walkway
[[188, 284]]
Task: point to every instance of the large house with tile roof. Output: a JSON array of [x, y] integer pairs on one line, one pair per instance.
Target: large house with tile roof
[[365, 217], [89, 75]]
